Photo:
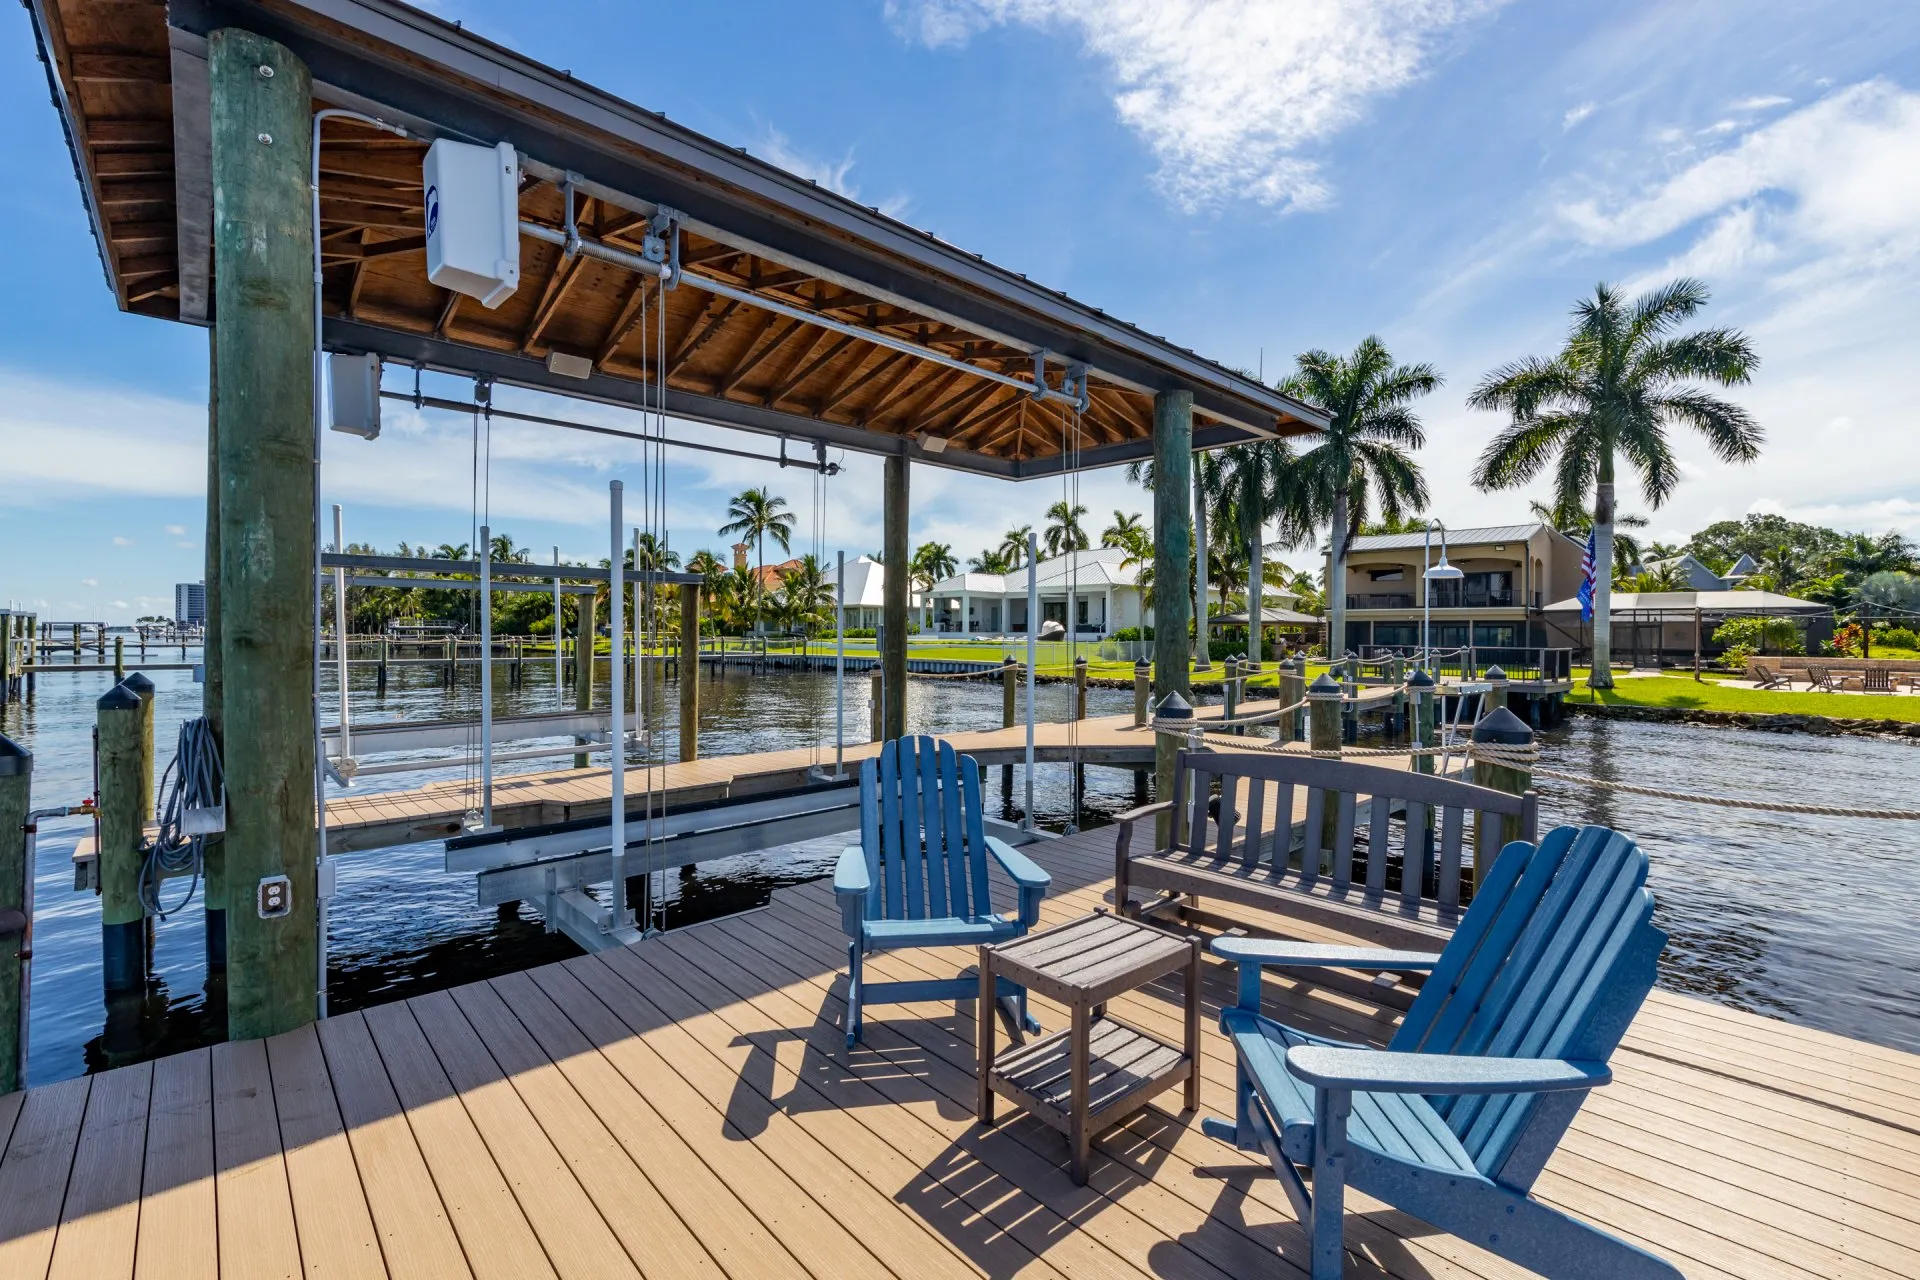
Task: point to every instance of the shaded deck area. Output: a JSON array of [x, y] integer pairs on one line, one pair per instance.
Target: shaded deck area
[[685, 1107]]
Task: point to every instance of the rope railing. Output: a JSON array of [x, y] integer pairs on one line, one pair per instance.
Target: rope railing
[[1523, 757]]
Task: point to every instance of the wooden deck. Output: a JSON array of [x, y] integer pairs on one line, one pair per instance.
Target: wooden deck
[[685, 1107]]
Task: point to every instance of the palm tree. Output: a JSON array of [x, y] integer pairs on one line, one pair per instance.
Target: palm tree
[[1260, 486], [1063, 532], [451, 551], [1862, 555], [504, 552], [1622, 379], [992, 560], [1126, 532], [1577, 523], [1367, 398], [931, 562], [806, 597], [739, 600], [1013, 545], [754, 515]]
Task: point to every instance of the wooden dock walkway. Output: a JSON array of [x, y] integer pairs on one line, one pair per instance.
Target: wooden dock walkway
[[686, 1107], [373, 820]]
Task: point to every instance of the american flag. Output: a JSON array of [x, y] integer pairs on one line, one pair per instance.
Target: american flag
[[1586, 580]]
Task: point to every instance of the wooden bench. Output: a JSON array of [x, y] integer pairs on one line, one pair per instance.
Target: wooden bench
[[1319, 840]]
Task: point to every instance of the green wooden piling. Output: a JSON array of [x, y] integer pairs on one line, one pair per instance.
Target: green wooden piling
[[16, 929], [1080, 688], [119, 658], [876, 719], [1293, 687], [1009, 693], [6, 657], [122, 826], [213, 850], [263, 275], [1230, 688], [689, 672], [1142, 690], [380, 672], [893, 612], [1420, 690], [1325, 703], [1501, 728], [1172, 567], [1497, 682], [143, 689]]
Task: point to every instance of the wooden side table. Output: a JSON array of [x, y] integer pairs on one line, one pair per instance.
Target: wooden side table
[[1090, 1075]]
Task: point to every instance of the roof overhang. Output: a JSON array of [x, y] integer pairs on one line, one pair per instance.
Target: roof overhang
[[132, 87]]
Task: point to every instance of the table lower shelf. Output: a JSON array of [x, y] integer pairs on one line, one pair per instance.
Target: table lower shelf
[[1126, 1068]]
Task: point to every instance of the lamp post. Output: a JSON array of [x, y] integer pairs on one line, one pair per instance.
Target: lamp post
[[1432, 573]]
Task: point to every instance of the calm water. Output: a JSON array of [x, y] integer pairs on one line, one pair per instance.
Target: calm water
[[1793, 918]]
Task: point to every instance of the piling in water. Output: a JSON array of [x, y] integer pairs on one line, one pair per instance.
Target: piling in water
[[123, 921], [16, 910]]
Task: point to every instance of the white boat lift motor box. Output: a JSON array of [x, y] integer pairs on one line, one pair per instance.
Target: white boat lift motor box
[[473, 219]]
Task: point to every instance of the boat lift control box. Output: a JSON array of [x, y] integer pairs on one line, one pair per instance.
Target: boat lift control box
[[353, 392], [473, 219]]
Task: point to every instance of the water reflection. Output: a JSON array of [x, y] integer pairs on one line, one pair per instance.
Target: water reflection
[[1786, 916]]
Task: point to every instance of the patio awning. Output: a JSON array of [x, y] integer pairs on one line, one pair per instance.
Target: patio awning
[[818, 318], [1269, 617], [1675, 603]]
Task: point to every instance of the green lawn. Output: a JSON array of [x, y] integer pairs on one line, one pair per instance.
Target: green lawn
[[1683, 692]]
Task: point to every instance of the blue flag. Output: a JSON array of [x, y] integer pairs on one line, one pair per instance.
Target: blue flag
[[1586, 579]]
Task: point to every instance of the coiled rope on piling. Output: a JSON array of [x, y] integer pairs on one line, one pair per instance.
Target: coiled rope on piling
[[1527, 757], [194, 779]]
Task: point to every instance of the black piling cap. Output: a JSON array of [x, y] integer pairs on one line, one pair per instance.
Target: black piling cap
[[141, 686], [1495, 673], [1139, 665], [1420, 679], [1503, 728], [15, 760], [1325, 687], [119, 698], [1174, 707]]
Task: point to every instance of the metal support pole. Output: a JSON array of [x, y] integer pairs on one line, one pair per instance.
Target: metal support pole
[[839, 668], [340, 634], [1033, 658], [893, 657], [486, 676], [583, 647], [559, 631], [617, 915]]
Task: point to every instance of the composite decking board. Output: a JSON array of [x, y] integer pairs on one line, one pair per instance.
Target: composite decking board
[[752, 1235], [33, 1175], [753, 1151], [885, 1173], [179, 1224], [933, 1164], [100, 1215], [337, 1235], [571, 1229], [650, 1229], [1597, 1208], [417, 1236], [948, 1059], [499, 1242], [1735, 1145]]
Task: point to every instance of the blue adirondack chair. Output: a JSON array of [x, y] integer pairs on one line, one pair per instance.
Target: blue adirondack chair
[[1454, 1120], [918, 877]]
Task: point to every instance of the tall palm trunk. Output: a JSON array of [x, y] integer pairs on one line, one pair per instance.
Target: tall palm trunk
[[1201, 659], [1256, 571], [1601, 676], [1337, 578]]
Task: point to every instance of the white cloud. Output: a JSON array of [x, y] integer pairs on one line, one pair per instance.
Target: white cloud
[[94, 582], [177, 530], [1576, 114], [119, 541], [1761, 102], [776, 148], [1230, 94]]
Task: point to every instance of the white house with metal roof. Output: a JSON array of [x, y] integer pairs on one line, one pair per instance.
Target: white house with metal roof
[[1096, 588]]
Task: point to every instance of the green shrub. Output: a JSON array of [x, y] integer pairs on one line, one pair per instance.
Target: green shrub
[[1753, 635], [1131, 633], [1896, 637]]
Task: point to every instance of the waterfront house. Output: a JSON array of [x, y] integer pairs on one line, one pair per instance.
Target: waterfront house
[[1097, 588], [1510, 573]]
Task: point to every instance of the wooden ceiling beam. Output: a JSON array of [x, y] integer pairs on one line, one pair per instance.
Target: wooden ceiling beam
[[806, 364], [375, 249], [984, 422], [134, 164], [566, 272], [964, 399], [117, 195], [975, 421], [754, 351], [353, 286], [912, 401], [703, 331], [1016, 431], [793, 330], [623, 323], [851, 380], [106, 132], [448, 309], [119, 68], [896, 383]]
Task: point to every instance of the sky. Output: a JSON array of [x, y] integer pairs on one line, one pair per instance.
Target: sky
[[1251, 179]]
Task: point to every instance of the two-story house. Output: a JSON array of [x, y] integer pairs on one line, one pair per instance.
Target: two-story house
[[1509, 574]]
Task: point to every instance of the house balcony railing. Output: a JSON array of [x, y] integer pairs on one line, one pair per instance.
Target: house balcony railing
[[1380, 600]]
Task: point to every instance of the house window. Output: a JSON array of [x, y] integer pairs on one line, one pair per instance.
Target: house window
[[1387, 575]]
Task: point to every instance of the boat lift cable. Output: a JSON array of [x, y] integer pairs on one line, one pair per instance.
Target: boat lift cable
[[644, 436]]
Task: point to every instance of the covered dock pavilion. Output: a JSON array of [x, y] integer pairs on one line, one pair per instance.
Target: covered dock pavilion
[[656, 269]]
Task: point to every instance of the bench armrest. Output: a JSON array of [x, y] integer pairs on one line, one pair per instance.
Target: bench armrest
[[851, 885], [1026, 874], [1255, 954], [1123, 839], [1377, 1071]]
